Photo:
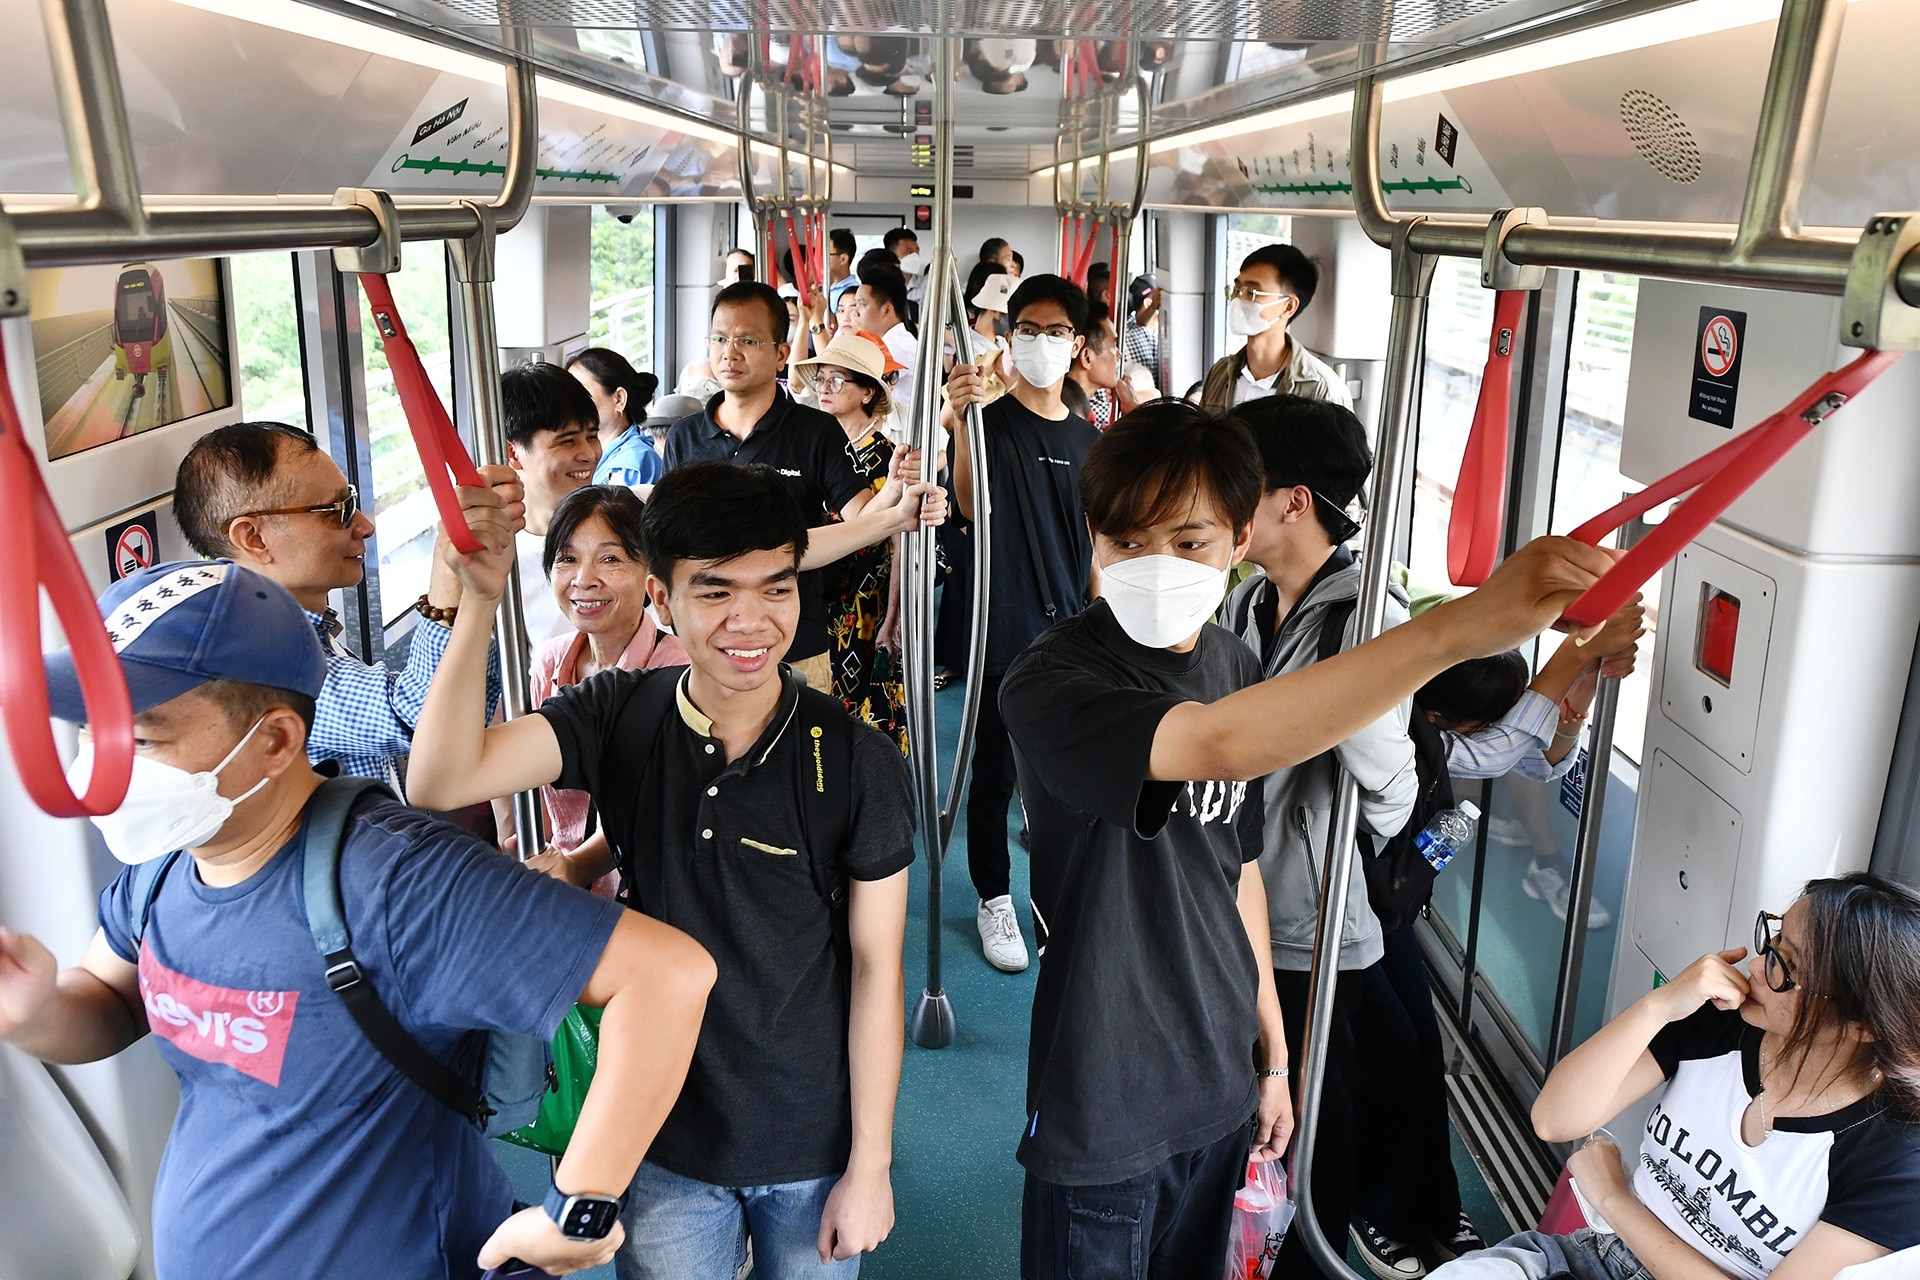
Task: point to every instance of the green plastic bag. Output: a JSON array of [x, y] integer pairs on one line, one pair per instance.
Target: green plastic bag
[[576, 1050]]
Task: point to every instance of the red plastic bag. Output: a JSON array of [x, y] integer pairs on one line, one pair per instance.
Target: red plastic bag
[[1262, 1212]]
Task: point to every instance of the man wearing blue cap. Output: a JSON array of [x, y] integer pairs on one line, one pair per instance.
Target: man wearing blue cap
[[299, 1146]]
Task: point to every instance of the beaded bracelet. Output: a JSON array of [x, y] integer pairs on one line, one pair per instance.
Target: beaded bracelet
[[427, 610]]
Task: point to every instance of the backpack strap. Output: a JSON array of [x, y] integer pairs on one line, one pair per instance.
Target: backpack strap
[[143, 886], [1333, 629], [322, 834]]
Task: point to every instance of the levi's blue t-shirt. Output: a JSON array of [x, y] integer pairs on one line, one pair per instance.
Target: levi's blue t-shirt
[[298, 1149], [630, 460]]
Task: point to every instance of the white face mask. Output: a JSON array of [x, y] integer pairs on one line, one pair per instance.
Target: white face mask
[[1244, 318], [1041, 360], [1161, 600], [166, 808], [911, 265]]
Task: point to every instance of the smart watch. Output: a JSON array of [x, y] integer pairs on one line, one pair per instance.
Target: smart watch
[[584, 1217]]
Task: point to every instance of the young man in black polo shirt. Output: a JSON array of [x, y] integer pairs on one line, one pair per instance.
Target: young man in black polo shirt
[[1157, 1059], [1040, 555], [784, 1131], [753, 420]]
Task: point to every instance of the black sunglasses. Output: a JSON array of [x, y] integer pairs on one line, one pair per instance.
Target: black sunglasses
[[1766, 936]]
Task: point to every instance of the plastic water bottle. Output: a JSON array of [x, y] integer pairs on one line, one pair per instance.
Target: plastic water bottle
[[1447, 834]]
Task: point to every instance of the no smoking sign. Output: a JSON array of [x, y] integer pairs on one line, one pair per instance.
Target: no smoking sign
[[1717, 351]]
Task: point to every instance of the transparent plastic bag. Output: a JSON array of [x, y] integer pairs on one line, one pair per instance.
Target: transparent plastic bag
[[1262, 1212]]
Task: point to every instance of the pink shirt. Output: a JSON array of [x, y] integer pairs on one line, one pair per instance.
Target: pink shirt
[[556, 664]]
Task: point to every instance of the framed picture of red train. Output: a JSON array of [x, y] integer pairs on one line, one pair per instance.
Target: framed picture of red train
[[124, 348]]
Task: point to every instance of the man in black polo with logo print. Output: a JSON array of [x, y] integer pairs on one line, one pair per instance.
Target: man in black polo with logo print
[[753, 420]]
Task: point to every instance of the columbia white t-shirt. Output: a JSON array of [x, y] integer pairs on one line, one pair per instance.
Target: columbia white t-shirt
[[1746, 1207], [541, 610]]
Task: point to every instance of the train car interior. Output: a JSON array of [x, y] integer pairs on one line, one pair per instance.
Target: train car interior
[[1638, 273]]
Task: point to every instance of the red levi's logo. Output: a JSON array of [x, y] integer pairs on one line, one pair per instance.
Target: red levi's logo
[[245, 1030]]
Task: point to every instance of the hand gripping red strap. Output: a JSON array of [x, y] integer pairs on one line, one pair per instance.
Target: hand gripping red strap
[[1717, 479], [1480, 495], [45, 558], [442, 452]]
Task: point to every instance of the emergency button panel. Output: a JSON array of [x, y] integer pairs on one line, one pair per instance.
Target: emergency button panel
[[1714, 663]]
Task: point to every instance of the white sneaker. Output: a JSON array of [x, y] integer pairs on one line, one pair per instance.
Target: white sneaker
[[1507, 831], [1550, 887], [1000, 936]]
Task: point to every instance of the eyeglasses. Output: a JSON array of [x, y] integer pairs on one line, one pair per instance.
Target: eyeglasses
[[1766, 937], [719, 340], [831, 384], [344, 510], [1247, 293], [1036, 331]]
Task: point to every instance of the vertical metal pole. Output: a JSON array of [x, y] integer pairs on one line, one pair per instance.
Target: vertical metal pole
[[1806, 44], [86, 76], [975, 427], [932, 1023], [1412, 275]]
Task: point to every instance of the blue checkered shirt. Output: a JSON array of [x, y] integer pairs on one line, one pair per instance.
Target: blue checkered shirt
[[364, 718]]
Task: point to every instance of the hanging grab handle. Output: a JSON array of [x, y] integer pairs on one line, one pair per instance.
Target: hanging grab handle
[[442, 451], [1480, 495], [44, 558], [1717, 478]]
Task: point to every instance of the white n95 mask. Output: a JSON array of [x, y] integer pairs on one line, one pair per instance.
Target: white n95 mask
[[1244, 319], [166, 808], [1161, 600], [912, 265], [1041, 360]]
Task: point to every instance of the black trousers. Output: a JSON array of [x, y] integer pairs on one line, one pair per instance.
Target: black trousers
[[988, 794], [953, 626], [1334, 1164], [1403, 1071], [1172, 1222]]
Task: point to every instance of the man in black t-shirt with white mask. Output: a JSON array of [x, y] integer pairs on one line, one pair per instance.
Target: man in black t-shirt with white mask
[[1157, 1060], [1040, 552]]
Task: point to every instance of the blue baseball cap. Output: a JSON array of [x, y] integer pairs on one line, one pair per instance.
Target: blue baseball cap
[[177, 626]]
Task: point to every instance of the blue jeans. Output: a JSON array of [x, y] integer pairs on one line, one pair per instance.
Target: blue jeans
[[1584, 1255], [679, 1229]]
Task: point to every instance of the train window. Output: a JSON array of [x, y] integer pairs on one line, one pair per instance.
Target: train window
[[1587, 478], [273, 385], [622, 282], [403, 512], [1458, 314]]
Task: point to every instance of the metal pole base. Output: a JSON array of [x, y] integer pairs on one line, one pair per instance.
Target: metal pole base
[[932, 1025]]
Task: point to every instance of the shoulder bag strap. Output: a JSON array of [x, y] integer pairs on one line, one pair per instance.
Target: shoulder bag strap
[[1029, 512], [143, 887]]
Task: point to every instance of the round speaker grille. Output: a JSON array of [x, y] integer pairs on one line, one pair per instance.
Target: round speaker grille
[[1660, 135]]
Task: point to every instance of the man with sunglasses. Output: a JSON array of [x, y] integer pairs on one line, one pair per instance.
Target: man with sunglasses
[[1275, 284], [267, 497]]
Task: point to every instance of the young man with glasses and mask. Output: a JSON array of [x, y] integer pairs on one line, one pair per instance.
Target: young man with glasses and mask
[[267, 497], [1275, 284], [1040, 553], [752, 420]]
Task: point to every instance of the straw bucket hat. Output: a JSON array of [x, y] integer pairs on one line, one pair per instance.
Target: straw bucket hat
[[863, 353]]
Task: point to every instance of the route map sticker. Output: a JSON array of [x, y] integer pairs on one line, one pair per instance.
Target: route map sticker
[[133, 545], [1718, 350]]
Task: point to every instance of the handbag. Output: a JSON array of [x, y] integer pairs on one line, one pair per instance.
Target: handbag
[[576, 1052]]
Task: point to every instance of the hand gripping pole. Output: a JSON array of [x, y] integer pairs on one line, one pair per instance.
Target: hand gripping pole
[[44, 558], [1717, 479], [1480, 495], [442, 451]]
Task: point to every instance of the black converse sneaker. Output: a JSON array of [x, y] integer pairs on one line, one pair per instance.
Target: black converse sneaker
[[1462, 1239], [1386, 1257]]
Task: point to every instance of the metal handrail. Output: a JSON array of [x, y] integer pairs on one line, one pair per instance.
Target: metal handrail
[[1586, 859], [974, 424]]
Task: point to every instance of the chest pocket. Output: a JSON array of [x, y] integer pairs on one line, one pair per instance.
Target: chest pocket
[[769, 848]]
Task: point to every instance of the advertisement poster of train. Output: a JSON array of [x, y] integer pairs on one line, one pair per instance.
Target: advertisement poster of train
[[122, 349]]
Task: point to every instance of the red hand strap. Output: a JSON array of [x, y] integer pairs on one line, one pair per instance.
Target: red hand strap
[[441, 450], [1480, 495], [44, 558], [1717, 478]]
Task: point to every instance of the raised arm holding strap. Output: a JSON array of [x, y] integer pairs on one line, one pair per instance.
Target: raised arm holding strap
[[1717, 478], [44, 558], [1480, 495], [442, 451]]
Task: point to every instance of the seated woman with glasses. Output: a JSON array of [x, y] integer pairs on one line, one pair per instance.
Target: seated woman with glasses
[[593, 561], [1785, 1139]]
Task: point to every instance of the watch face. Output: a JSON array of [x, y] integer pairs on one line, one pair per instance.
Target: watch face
[[589, 1217]]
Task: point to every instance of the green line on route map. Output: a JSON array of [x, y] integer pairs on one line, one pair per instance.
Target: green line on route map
[[1342, 188], [437, 164]]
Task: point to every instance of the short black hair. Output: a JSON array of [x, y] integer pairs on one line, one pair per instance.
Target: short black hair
[[898, 235], [1315, 443], [618, 505], [742, 293], [745, 253], [230, 471], [717, 511], [842, 241], [876, 258], [1050, 288], [1098, 331], [1151, 461], [889, 285], [1477, 691], [990, 248], [612, 371], [243, 704], [1019, 261], [1298, 275], [544, 397]]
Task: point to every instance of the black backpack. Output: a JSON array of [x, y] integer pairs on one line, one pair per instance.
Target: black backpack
[[1399, 878]]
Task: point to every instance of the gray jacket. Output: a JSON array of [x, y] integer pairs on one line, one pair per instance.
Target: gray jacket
[[1299, 800]]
